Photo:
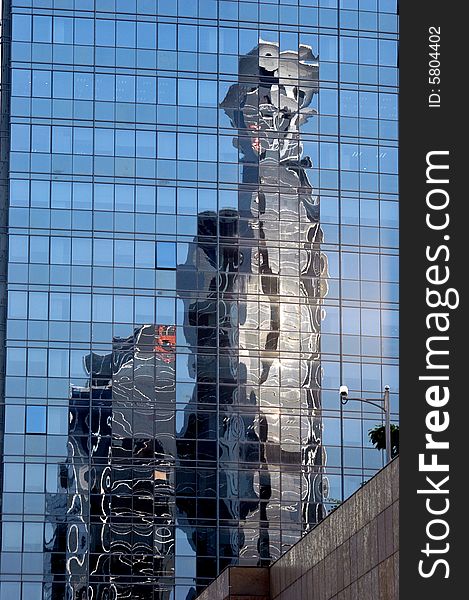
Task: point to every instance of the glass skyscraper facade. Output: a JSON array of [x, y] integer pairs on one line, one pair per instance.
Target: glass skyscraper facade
[[199, 245]]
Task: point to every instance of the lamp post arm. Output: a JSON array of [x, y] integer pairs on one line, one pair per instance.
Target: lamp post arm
[[373, 402], [384, 406]]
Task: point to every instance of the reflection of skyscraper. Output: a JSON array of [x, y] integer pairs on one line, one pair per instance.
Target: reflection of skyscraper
[[273, 95], [114, 524], [254, 326]]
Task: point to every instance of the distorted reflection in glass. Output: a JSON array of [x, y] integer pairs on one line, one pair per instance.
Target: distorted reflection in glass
[[254, 326], [113, 523]]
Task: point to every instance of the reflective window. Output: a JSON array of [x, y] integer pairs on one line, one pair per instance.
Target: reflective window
[[203, 245]]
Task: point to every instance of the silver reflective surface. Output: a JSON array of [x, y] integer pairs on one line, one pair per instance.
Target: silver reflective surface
[[117, 483]]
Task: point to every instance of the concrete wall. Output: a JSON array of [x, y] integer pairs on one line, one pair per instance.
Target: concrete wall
[[351, 555], [239, 583]]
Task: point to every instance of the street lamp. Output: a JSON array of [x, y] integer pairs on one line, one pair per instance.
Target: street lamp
[[383, 405]]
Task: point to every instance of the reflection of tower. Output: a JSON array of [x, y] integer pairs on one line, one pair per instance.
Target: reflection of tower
[[221, 434], [277, 205], [116, 522], [254, 326]]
